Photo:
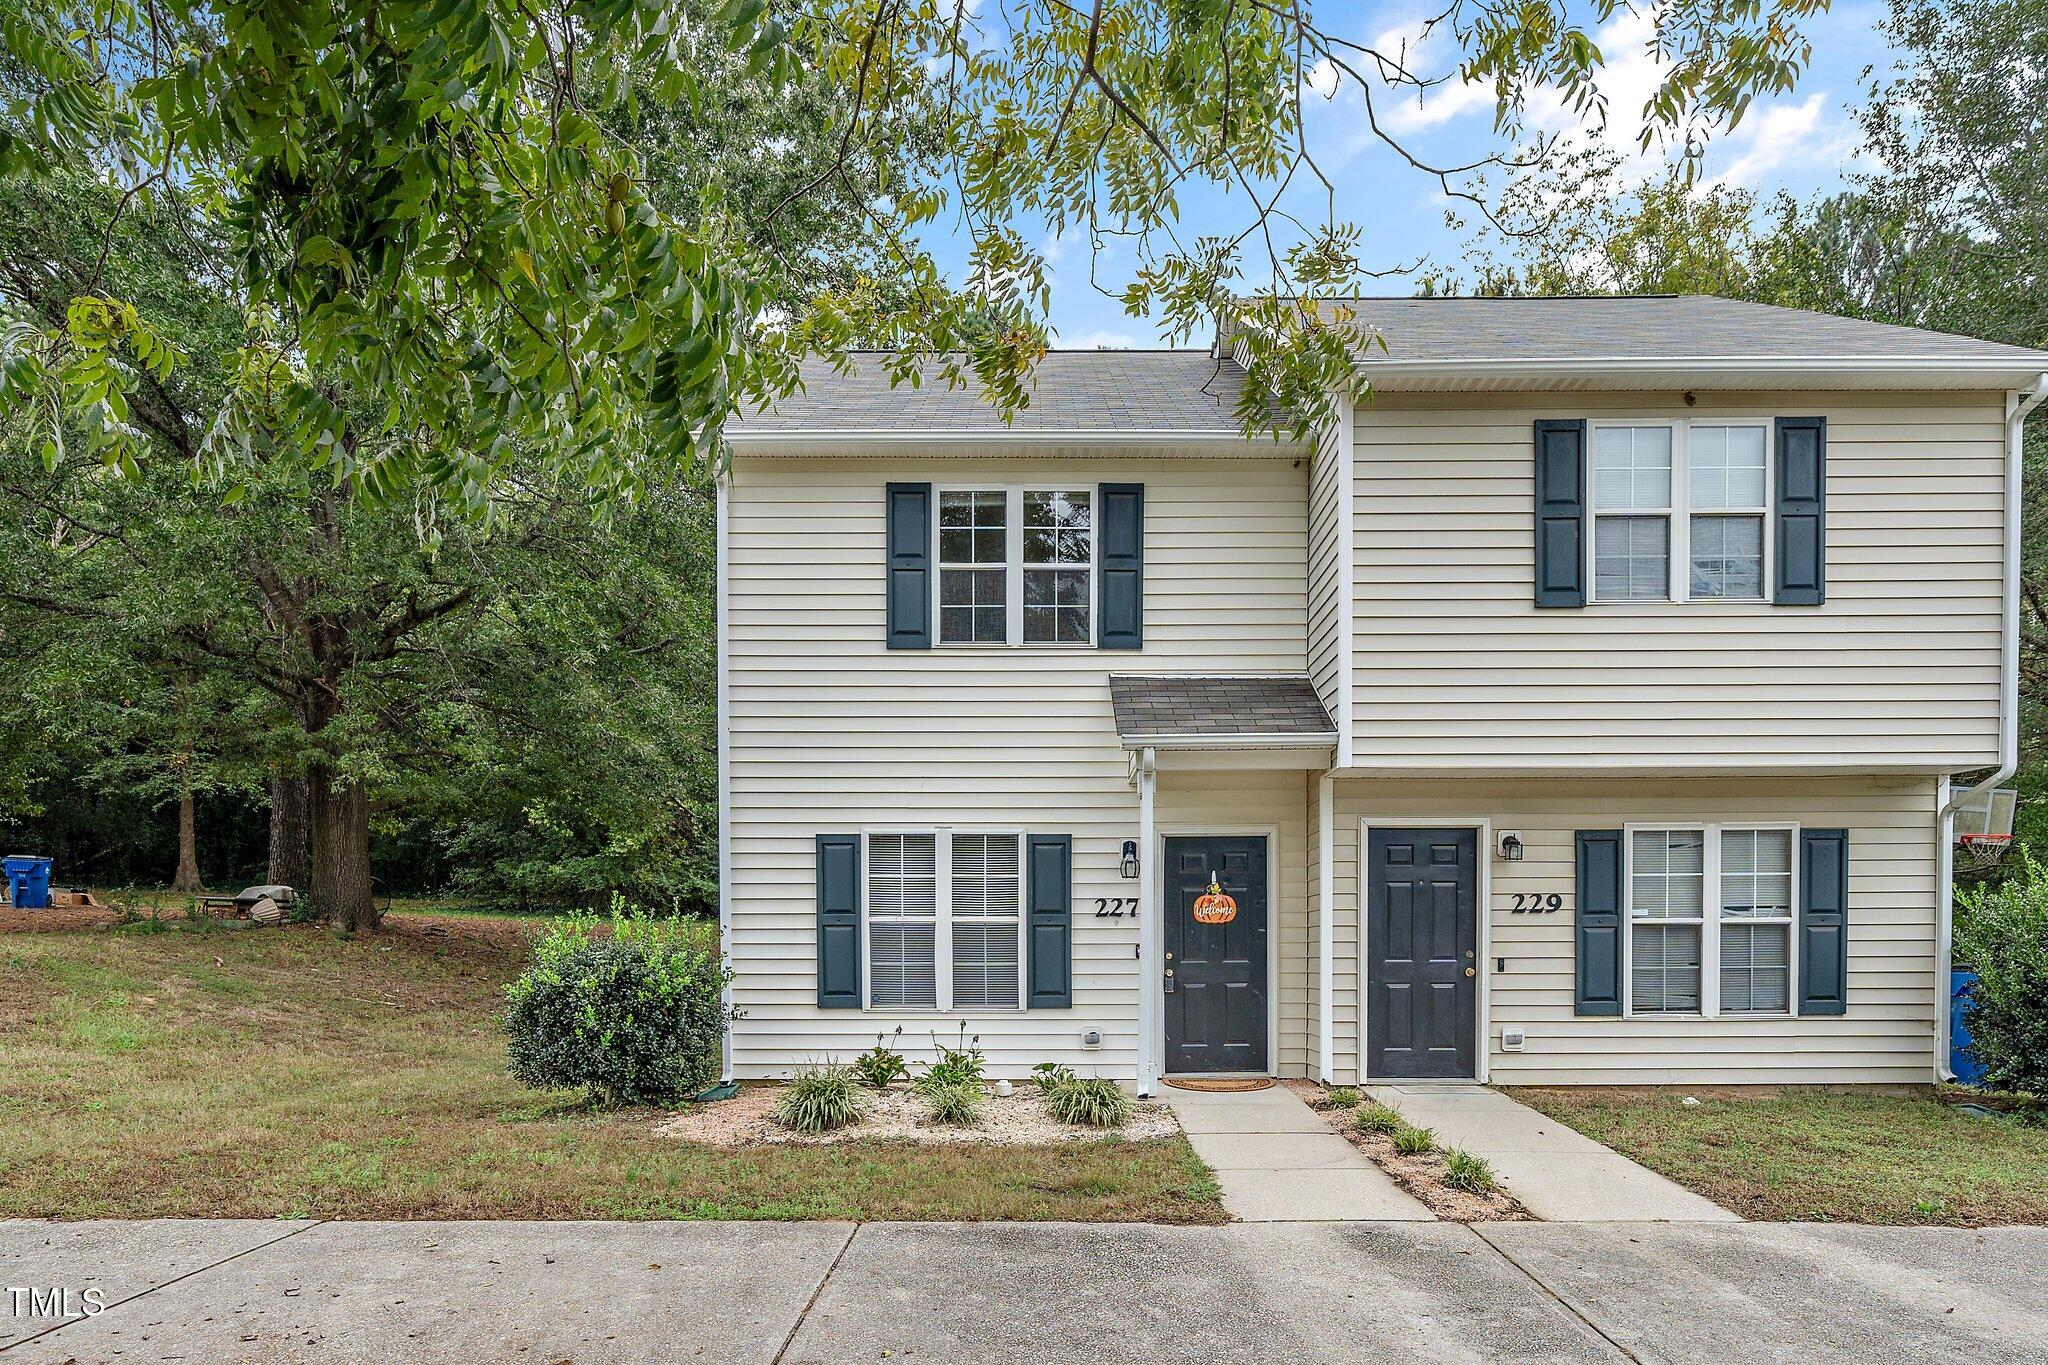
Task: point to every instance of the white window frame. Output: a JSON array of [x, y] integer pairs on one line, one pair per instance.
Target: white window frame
[[1013, 560], [1710, 920], [942, 934], [1679, 513]]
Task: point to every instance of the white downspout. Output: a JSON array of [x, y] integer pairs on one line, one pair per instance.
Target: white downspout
[[1326, 934], [722, 586], [1151, 1007], [2018, 405]]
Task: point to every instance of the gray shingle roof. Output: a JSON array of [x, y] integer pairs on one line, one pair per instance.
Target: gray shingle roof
[[1677, 326], [1153, 705], [1167, 391]]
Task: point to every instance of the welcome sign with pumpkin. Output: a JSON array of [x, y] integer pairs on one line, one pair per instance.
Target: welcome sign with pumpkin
[[1215, 906]]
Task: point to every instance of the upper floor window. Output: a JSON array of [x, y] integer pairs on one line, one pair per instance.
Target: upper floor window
[[1016, 566], [1679, 510]]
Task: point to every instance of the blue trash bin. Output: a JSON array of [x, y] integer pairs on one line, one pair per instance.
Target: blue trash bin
[[28, 880], [1961, 1059]]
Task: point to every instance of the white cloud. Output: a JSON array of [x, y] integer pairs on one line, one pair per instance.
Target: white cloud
[[1786, 135], [1100, 339]]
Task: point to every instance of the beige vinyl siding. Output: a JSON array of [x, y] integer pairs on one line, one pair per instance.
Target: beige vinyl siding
[[1456, 670], [1325, 563], [830, 732], [1887, 1034], [1275, 803]]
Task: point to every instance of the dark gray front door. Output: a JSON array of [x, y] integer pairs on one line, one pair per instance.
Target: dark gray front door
[[1216, 973], [1421, 946]]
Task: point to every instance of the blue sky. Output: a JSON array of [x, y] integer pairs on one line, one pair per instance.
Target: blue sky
[[1801, 142]]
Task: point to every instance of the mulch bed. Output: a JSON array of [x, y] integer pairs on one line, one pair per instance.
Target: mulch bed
[[1420, 1173], [899, 1114]]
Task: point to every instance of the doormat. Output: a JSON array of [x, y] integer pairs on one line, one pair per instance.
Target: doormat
[[1224, 1085]]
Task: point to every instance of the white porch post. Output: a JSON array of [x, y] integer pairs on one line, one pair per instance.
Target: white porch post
[[1151, 1007], [1326, 937]]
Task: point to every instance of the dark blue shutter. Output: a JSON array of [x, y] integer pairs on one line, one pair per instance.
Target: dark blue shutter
[[1801, 496], [1120, 568], [1598, 927], [1824, 921], [838, 921], [1049, 920], [910, 565], [1561, 514]]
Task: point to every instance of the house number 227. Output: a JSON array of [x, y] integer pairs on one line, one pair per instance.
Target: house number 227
[[1115, 907]]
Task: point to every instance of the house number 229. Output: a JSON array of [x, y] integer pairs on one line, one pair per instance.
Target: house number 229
[[1115, 907], [1535, 903]]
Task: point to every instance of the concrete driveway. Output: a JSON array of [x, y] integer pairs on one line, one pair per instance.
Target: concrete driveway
[[1038, 1293]]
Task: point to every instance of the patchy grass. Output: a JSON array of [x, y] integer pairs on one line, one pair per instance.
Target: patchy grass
[[1831, 1155], [289, 1072]]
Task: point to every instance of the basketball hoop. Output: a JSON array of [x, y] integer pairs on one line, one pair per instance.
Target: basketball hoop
[[1985, 850]]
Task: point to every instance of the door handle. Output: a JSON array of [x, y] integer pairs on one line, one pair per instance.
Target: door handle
[[1471, 972], [1169, 981]]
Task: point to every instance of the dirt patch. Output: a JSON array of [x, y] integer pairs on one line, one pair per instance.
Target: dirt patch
[[898, 1114], [58, 921], [1422, 1174]]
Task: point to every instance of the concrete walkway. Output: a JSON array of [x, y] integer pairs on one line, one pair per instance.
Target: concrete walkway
[[1277, 1161], [1560, 1175], [228, 1293]]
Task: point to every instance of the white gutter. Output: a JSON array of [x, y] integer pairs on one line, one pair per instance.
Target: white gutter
[[1326, 952], [2018, 405], [768, 442], [724, 633], [1151, 980], [1327, 739], [1990, 369]]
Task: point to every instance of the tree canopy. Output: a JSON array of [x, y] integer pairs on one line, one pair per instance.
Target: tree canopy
[[455, 257]]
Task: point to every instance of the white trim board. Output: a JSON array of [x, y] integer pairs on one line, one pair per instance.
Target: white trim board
[[1482, 1047]]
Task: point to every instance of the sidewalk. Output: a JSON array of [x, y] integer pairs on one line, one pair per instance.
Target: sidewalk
[[1560, 1175], [263, 1292], [1277, 1161]]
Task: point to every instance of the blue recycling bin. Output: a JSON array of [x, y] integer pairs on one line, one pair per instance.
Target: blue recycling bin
[[1961, 1059], [28, 881]]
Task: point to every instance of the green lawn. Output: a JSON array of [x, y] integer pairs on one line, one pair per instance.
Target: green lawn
[[1812, 1154], [288, 1072]]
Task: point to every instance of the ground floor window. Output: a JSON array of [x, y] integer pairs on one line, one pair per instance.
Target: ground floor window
[[1710, 919], [944, 920]]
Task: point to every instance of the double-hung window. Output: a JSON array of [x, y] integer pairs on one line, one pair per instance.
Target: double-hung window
[[1016, 566], [1710, 920], [1680, 511], [944, 921]]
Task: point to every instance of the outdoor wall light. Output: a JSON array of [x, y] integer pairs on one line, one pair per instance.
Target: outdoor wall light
[[1511, 846], [1129, 865]]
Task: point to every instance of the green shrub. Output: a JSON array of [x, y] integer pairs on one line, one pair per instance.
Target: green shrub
[[629, 1017], [819, 1099], [1343, 1097], [957, 1065], [1048, 1074], [954, 1103], [878, 1067], [2002, 931], [1412, 1141], [1469, 1173], [1377, 1118], [1095, 1103]]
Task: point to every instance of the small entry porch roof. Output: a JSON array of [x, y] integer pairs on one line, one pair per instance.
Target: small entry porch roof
[[1266, 719]]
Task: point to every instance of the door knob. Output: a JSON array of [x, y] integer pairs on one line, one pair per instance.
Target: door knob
[[1468, 971]]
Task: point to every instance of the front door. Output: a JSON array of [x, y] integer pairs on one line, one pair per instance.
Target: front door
[[1215, 979], [1421, 941]]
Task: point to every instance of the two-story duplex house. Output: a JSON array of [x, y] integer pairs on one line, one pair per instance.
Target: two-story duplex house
[[1581, 707]]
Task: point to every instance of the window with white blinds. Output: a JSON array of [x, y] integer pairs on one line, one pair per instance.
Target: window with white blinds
[[1710, 916], [903, 921], [987, 894], [944, 921]]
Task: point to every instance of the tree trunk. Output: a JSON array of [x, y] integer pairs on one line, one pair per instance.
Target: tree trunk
[[187, 878], [340, 882], [290, 863]]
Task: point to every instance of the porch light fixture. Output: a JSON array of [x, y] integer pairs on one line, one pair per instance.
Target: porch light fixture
[[1511, 846], [1129, 865]]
